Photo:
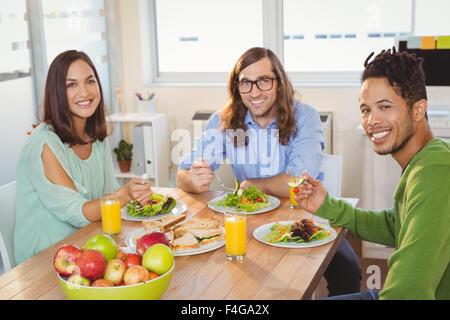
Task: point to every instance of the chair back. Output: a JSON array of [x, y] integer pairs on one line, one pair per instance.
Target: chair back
[[7, 224], [332, 171]]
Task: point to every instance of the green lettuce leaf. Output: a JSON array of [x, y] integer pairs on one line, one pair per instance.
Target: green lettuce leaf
[[135, 209], [250, 207], [319, 235], [252, 194], [232, 200]]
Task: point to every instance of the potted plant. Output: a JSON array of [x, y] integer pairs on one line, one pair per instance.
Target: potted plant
[[124, 154]]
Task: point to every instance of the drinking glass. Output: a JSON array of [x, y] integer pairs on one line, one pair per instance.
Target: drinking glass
[[111, 219], [293, 183], [235, 234]]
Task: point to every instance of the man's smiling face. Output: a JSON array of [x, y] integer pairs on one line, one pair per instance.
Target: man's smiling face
[[385, 116], [260, 103]]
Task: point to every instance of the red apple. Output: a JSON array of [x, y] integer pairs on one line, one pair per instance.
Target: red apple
[[92, 264], [78, 279], [153, 275], [102, 283], [65, 259], [115, 269], [121, 254], [136, 274], [132, 259], [149, 239]]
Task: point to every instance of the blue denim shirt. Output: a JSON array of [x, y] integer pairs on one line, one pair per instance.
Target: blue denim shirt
[[264, 156]]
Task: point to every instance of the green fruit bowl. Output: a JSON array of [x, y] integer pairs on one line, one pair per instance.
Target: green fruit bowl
[[150, 290]]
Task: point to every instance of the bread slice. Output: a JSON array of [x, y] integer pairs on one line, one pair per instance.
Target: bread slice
[[170, 237], [187, 241], [151, 225], [209, 240], [205, 233], [196, 223], [205, 236], [164, 224], [168, 222]]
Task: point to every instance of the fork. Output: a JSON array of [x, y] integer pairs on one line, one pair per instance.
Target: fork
[[221, 183]]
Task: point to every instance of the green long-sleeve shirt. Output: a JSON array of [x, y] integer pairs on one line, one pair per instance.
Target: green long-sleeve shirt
[[418, 226]]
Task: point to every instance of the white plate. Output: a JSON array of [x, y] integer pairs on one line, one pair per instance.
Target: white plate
[[130, 241], [179, 208], [261, 231], [274, 203]]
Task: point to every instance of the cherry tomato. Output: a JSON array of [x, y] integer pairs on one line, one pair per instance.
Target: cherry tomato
[[259, 199], [296, 190]]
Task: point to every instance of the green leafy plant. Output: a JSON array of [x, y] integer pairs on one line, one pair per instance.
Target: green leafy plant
[[124, 151]]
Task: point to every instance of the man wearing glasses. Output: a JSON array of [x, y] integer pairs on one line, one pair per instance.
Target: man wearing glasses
[[266, 136]]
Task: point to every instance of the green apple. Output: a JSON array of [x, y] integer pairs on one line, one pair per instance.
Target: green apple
[[78, 279], [158, 258], [103, 243]]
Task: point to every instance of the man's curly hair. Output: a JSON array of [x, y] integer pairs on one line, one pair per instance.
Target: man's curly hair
[[403, 70]]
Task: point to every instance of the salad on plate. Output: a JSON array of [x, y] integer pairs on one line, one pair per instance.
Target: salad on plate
[[250, 199], [157, 204], [299, 231]]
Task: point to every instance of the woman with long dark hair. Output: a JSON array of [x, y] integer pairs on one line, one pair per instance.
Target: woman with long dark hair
[[66, 164]]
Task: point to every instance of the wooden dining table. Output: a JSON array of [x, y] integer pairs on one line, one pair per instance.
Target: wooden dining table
[[267, 272]]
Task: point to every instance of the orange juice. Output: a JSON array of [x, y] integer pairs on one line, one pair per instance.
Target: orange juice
[[292, 202], [111, 215], [235, 235], [293, 183]]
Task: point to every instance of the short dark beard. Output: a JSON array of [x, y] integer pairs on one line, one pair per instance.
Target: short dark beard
[[409, 133], [397, 148]]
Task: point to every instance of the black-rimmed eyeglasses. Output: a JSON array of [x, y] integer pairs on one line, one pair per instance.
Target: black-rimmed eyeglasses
[[263, 84]]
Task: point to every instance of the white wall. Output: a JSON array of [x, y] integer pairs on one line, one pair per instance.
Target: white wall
[[179, 103], [18, 114]]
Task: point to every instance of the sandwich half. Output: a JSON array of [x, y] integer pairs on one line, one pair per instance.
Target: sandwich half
[[151, 225], [196, 223], [164, 224], [187, 241], [205, 236], [170, 221]]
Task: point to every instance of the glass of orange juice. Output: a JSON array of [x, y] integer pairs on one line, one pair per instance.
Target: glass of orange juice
[[235, 235], [111, 219]]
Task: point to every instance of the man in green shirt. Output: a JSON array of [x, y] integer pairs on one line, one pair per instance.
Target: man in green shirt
[[393, 104]]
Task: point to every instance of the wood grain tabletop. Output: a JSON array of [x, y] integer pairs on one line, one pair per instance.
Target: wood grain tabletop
[[267, 272]]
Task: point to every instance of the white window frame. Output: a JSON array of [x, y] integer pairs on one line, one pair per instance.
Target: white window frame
[[273, 38], [39, 54]]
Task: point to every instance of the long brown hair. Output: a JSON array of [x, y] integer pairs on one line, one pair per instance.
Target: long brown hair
[[56, 106], [233, 115]]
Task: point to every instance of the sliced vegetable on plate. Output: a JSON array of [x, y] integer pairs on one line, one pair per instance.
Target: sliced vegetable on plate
[[157, 204], [299, 231], [250, 199]]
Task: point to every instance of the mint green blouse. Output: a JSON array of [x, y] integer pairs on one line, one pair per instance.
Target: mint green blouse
[[47, 213]]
